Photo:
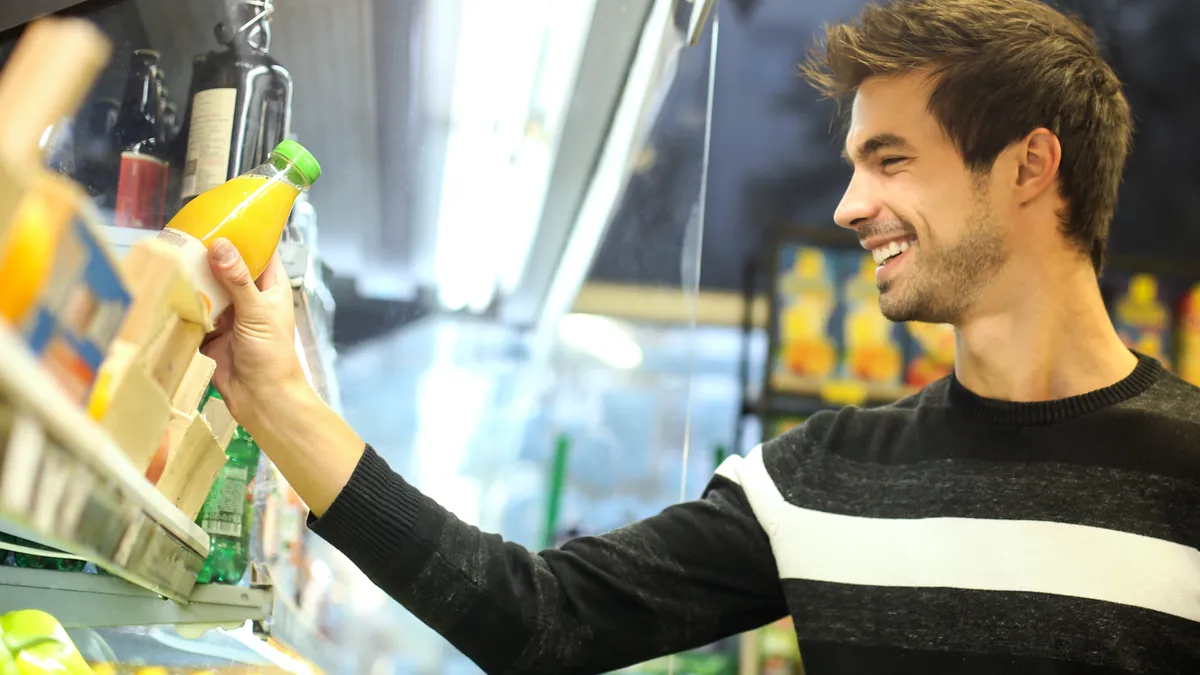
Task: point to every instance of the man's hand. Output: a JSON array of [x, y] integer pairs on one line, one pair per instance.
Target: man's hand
[[260, 378], [254, 344]]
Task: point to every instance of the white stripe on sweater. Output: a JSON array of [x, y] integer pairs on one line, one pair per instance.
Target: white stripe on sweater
[[976, 554]]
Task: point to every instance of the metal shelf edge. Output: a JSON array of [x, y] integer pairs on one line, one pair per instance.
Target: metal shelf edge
[[81, 600]]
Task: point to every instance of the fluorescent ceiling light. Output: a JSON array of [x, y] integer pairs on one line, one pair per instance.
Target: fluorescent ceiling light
[[513, 78]]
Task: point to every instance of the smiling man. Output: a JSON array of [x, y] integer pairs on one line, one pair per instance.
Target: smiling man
[[1036, 513]]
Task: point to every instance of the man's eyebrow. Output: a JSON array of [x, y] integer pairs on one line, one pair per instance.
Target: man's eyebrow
[[876, 143]]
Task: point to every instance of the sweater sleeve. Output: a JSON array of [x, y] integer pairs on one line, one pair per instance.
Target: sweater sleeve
[[691, 575]]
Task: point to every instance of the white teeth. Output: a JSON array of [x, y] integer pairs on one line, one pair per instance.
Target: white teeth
[[890, 250]]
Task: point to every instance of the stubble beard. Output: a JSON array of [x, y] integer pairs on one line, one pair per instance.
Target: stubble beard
[[945, 280]]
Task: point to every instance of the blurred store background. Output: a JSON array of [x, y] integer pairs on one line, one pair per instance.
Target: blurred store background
[[565, 256]]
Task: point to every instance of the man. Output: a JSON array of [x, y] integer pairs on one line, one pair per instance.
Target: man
[[1038, 512]]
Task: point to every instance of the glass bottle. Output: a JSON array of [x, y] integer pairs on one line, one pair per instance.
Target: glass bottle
[[142, 182]]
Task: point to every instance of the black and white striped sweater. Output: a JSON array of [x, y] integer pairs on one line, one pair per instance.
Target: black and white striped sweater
[[943, 534]]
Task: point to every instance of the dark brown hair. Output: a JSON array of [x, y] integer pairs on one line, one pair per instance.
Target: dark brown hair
[[1001, 69]]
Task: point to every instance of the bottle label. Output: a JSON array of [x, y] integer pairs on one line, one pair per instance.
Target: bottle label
[[193, 254], [209, 141], [141, 192], [226, 509]]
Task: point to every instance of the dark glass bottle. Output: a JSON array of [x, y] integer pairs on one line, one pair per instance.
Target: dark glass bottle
[[239, 104], [97, 155], [142, 185]]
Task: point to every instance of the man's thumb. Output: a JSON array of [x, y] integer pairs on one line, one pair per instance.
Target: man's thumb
[[232, 273]]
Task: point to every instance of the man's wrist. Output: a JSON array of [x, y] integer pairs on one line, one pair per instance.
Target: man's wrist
[[276, 403], [312, 445]]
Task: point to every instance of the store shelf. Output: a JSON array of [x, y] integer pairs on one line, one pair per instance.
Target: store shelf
[[64, 483], [161, 647], [80, 600], [287, 626], [93, 601], [796, 396]]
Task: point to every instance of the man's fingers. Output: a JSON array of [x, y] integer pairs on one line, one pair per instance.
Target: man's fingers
[[274, 274], [232, 273]]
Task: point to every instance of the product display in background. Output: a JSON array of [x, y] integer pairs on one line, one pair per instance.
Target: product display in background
[[782, 425], [779, 653], [872, 347], [142, 139], [228, 513], [1141, 312], [931, 353], [59, 285], [689, 663], [240, 102], [807, 297], [1189, 336], [16, 552]]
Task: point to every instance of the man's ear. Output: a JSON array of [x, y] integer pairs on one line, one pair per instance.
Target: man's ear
[[1039, 156]]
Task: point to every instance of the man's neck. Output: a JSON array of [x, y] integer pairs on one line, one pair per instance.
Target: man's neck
[[1051, 339]]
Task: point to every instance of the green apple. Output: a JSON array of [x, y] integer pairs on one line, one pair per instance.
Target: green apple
[[7, 666], [37, 644]]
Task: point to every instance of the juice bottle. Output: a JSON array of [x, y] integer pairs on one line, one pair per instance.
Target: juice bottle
[[250, 211]]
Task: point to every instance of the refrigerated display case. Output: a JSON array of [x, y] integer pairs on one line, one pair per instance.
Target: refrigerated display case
[[193, 92], [88, 532]]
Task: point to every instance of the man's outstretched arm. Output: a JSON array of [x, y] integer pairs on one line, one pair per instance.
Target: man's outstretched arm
[[688, 576], [693, 574]]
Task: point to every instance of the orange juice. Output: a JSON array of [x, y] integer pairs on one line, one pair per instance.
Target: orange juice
[[251, 211]]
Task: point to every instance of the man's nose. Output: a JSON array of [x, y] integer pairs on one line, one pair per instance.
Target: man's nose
[[857, 206]]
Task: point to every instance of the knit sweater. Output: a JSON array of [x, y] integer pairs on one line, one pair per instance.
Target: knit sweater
[[946, 533]]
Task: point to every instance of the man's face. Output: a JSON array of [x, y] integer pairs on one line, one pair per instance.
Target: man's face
[[928, 220]]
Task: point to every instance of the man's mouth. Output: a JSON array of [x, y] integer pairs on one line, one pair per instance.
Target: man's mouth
[[886, 253]]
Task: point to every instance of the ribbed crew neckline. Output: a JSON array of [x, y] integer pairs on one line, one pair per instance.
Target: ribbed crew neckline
[[1013, 413]]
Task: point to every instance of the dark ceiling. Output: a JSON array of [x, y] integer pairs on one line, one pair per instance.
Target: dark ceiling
[[775, 156]]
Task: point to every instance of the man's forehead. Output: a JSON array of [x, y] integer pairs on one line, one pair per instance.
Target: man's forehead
[[889, 111]]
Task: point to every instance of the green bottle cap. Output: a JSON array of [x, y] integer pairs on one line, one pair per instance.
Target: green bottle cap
[[301, 158]]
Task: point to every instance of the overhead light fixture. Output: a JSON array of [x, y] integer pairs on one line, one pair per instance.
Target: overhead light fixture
[[513, 78]]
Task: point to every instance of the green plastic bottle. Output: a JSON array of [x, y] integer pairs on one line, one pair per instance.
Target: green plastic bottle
[[228, 513], [36, 562]]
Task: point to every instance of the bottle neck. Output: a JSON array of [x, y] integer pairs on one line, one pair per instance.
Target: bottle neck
[[142, 92], [248, 27], [281, 169]]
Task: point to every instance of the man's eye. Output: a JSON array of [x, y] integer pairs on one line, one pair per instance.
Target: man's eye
[[891, 161]]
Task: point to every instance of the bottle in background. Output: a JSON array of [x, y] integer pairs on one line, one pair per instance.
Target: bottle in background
[[32, 561], [250, 211], [239, 105], [97, 155], [142, 185], [228, 513], [1189, 337]]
